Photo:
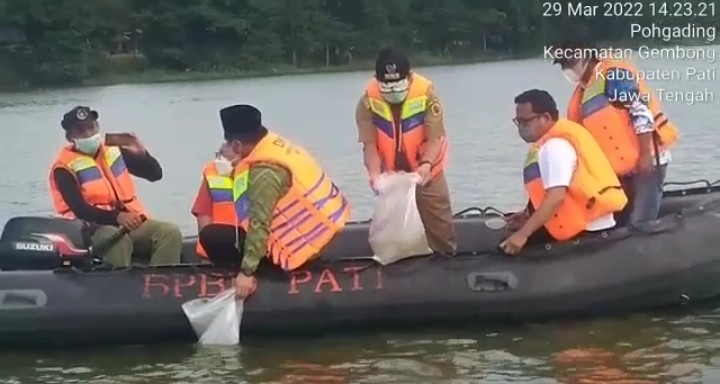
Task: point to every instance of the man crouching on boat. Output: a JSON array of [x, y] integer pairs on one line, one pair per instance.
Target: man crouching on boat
[[286, 205], [570, 183], [91, 180]]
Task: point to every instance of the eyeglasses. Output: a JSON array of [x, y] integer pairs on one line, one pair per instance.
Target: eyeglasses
[[520, 122], [219, 152]]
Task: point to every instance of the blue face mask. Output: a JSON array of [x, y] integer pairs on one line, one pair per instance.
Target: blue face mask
[[88, 145]]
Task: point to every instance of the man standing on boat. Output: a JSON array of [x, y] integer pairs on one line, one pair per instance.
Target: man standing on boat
[[400, 124], [613, 102], [570, 184], [91, 180], [286, 206], [214, 210]]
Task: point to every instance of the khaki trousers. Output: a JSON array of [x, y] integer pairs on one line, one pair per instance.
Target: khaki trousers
[[160, 240], [433, 201]]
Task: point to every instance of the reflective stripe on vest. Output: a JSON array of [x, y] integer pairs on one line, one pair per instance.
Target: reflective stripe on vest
[[221, 194], [412, 135], [104, 181], [308, 216], [220, 188], [594, 190], [412, 115], [87, 170], [611, 125], [221, 197]]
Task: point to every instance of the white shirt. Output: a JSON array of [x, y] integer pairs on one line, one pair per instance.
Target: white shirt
[[557, 160]]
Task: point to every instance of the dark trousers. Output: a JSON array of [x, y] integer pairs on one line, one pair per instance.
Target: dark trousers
[[644, 192], [622, 218], [541, 236], [223, 244]]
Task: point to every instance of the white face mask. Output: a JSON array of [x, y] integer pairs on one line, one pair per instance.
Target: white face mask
[[223, 166], [574, 75], [571, 76], [395, 97], [394, 92], [88, 145]]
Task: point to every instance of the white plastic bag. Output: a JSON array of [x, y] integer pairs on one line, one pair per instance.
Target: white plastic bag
[[216, 321], [396, 230]]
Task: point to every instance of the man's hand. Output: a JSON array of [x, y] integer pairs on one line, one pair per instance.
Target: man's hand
[[372, 178], [514, 244], [135, 145], [646, 163], [129, 220], [517, 220], [244, 286], [424, 172]]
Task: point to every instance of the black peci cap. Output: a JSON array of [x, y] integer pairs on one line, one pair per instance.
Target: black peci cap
[[78, 115], [241, 119], [391, 65]]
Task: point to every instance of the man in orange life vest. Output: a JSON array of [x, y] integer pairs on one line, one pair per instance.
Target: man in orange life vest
[[91, 181], [285, 205], [400, 124], [613, 102], [214, 210], [570, 184]]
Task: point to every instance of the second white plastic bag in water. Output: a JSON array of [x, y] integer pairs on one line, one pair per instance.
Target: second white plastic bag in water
[[216, 321], [396, 230]]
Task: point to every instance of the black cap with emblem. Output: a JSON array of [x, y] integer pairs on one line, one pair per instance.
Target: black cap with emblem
[[78, 115], [391, 65]]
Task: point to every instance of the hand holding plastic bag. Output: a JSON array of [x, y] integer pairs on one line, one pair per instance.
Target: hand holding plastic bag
[[216, 321], [396, 230]]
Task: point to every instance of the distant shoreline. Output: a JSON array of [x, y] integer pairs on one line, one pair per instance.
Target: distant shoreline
[[151, 76], [155, 76], [125, 71]]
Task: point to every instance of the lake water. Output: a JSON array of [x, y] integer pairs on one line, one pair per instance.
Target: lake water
[[179, 124]]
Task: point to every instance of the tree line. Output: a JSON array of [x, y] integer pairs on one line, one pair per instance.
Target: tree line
[[52, 42]]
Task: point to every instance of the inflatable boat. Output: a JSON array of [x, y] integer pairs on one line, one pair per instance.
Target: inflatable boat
[[54, 292]]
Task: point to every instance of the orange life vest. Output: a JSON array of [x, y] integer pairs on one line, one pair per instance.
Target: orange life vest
[[308, 216], [594, 191], [104, 180], [410, 138], [221, 195], [611, 125]]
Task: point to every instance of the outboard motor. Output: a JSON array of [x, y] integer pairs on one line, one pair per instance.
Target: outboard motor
[[43, 243]]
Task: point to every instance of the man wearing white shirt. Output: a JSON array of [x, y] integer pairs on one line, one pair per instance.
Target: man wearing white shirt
[[570, 183]]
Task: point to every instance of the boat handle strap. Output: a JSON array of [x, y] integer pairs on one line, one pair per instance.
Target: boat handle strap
[[491, 281]]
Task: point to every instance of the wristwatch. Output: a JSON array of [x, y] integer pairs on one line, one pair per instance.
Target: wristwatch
[[246, 272]]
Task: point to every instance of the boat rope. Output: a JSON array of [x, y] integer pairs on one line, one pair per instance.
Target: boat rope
[[705, 182], [489, 210], [492, 211]]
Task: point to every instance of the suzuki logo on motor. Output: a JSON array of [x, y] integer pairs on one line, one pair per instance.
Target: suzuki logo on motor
[[34, 247]]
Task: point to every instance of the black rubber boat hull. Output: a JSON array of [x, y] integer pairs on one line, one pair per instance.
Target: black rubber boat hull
[[675, 261]]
